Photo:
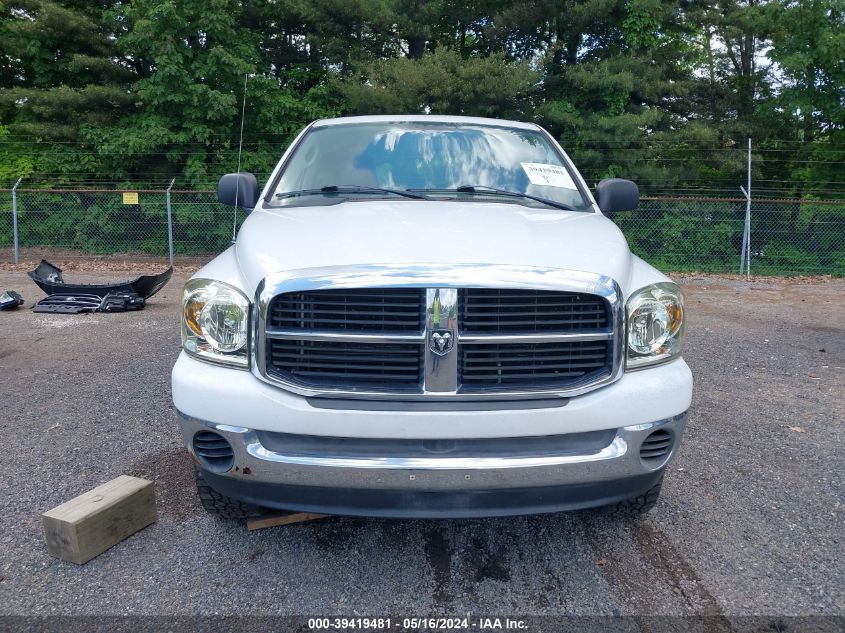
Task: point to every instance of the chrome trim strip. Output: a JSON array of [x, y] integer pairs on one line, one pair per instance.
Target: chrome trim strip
[[443, 276], [228, 428], [494, 339], [440, 367], [345, 337], [617, 448]]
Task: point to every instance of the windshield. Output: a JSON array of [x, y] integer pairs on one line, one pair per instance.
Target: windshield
[[366, 160]]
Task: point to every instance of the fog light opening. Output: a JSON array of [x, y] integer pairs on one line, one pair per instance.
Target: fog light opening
[[656, 446], [214, 451]]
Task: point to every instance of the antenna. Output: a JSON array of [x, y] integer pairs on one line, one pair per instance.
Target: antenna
[[240, 149]]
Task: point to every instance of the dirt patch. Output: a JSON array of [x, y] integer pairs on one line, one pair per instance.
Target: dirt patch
[[172, 472], [88, 262], [684, 278], [669, 563], [438, 553], [120, 268], [635, 573]]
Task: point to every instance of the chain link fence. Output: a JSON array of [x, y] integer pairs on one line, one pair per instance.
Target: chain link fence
[[85, 224], [788, 237]]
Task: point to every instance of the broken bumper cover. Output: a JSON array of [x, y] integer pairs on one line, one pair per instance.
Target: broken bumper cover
[[75, 298], [406, 479], [49, 279]]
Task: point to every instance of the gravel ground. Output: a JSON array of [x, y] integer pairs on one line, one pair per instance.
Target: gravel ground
[[750, 521]]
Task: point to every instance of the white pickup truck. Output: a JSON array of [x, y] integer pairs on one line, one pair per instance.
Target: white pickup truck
[[429, 316]]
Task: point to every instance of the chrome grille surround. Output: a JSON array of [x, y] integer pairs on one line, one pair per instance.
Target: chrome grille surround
[[440, 373]]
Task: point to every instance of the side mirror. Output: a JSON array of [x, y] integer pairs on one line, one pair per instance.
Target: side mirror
[[617, 194], [239, 190]]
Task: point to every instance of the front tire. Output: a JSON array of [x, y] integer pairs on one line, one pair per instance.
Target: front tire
[[636, 506], [222, 506]]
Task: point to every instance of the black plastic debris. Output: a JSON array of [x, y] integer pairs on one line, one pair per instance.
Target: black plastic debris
[[75, 304], [68, 304], [9, 300], [49, 279], [122, 301]]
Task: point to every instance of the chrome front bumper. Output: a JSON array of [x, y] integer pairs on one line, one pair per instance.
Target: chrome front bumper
[[436, 485]]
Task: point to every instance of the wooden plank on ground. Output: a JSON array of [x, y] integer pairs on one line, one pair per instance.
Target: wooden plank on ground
[[88, 525], [286, 518]]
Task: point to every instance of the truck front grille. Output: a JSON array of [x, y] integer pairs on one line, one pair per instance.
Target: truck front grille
[[532, 365], [385, 341], [363, 310], [503, 311], [348, 365]]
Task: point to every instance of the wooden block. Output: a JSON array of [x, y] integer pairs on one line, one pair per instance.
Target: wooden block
[[273, 520], [88, 525]]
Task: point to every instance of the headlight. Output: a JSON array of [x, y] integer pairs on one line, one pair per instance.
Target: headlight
[[655, 325], [215, 322]]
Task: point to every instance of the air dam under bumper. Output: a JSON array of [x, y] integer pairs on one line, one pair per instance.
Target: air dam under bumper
[[585, 470]]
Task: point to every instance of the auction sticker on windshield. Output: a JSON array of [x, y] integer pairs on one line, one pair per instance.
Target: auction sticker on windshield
[[548, 175]]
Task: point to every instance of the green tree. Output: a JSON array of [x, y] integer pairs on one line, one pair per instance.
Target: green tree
[[738, 31], [66, 71], [614, 76], [808, 45], [61, 72], [194, 56], [442, 82]]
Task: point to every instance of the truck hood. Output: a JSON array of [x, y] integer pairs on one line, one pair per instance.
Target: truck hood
[[429, 232]]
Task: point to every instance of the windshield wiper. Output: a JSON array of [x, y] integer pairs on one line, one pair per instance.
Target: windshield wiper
[[505, 192], [350, 189]]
